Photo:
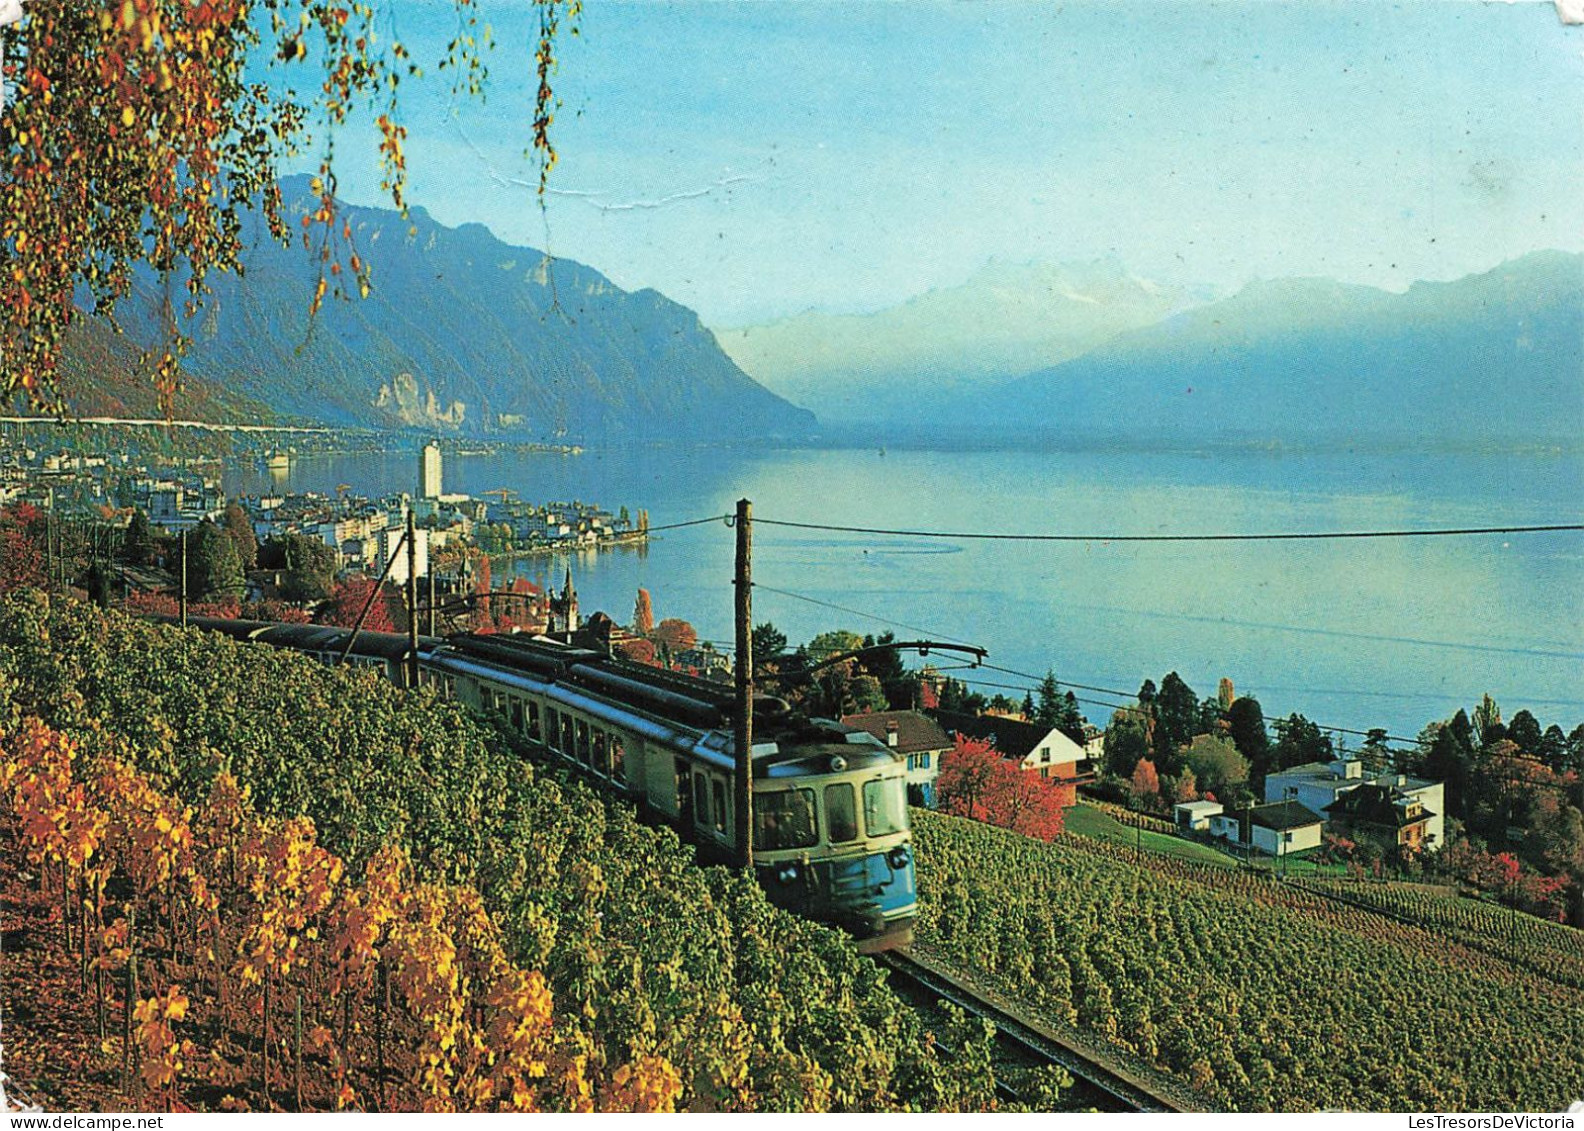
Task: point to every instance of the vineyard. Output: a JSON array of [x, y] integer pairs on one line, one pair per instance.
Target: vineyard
[[1259, 994], [212, 833]]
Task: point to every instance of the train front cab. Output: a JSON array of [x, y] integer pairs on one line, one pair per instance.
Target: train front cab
[[836, 846]]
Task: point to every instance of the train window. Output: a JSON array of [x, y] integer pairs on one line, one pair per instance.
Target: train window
[[533, 720], [885, 806], [618, 750], [517, 715], [568, 747], [583, 742], [679, 768], [720, 806], [784, 820], [601, 764], [841, 814], [701, 808], [553, 728]]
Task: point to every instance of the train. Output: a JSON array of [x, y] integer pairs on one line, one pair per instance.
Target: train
[[830, 830]]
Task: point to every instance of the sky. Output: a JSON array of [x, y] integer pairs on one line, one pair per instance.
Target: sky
[[757, 159]]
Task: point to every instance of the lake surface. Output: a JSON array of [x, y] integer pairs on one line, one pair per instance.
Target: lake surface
[[1352, 633]]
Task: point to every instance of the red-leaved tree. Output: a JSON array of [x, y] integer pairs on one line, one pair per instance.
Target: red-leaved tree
[[346, 602], [978, 783]]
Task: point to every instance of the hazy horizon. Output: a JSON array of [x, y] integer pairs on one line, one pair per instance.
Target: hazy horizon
[[754, 161]]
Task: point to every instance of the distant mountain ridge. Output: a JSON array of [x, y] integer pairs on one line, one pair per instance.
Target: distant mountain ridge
[[1496, 357], [465, 334], [1004, 321]]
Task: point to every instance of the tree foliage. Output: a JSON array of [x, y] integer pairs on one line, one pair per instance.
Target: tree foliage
[[1216, 765], [214, 571], [643, 614], [644, 954], [976, 782], [139, 139]]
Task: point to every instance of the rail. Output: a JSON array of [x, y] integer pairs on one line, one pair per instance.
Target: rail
[[1089, 1062]]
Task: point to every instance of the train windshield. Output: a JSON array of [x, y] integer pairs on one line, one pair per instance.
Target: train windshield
[[841, 816], [885, 806], [784, 820]]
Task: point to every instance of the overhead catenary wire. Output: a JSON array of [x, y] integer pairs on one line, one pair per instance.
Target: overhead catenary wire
[[1280, 536]]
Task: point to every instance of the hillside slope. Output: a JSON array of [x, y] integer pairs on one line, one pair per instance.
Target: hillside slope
[[465, 334], [1490, 358]]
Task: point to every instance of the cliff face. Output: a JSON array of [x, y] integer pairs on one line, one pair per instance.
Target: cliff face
[[466, 334]]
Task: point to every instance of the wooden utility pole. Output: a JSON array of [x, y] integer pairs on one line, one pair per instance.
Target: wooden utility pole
[[412, 602], [184, 579], [745, 683], [431, 599]]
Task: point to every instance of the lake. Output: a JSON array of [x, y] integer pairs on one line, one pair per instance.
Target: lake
[[1351, 633]]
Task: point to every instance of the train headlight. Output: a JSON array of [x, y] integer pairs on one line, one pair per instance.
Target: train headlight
[[899, 857], [838, 763], [787, 873]]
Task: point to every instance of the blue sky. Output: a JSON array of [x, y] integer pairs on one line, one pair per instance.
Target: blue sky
[[757, 159]]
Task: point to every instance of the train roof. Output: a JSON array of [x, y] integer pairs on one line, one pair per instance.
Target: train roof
[[308, 637]]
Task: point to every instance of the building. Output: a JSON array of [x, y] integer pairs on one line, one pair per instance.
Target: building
[[1382, 814], [429, 471], [916, 737], [1194, 816], [388, 540], [563, 610], [1276, 828], [1318, 785], [1042, 750]]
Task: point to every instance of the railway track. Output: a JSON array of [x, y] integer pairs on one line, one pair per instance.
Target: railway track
[[1118, 1087]]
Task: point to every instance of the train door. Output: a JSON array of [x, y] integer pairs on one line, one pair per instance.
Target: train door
[[684, 792], [534, 732], [618, 759], [703, 818], [723, 821]]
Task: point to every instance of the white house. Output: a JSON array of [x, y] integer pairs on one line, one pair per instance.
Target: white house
[[1042, 750], [1276, 829], [1317, 786], [1194, 816]]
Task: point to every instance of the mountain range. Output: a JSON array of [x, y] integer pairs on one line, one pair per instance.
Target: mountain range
[[1494, 358], [462, 334], [1004, 321], [1086, 354]]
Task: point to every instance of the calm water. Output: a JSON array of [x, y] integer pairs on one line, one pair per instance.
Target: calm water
[[1389, 633]]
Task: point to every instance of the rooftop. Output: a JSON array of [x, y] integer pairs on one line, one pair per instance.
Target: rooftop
[[1277, 815], [914, 731], [1011, 737]]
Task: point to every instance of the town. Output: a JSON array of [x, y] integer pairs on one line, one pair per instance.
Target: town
[[121, 523]]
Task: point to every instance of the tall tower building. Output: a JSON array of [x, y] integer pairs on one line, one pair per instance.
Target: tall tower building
[[429, 471]]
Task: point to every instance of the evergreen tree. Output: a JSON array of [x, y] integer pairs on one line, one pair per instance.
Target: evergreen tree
[[1028, 706], [1298, 742], [1047, 711], [1524, 733], [308, 566], [213, 569], [1246, 730], [137, 544], [1070, 720], [1177, 720], [768, 641]]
